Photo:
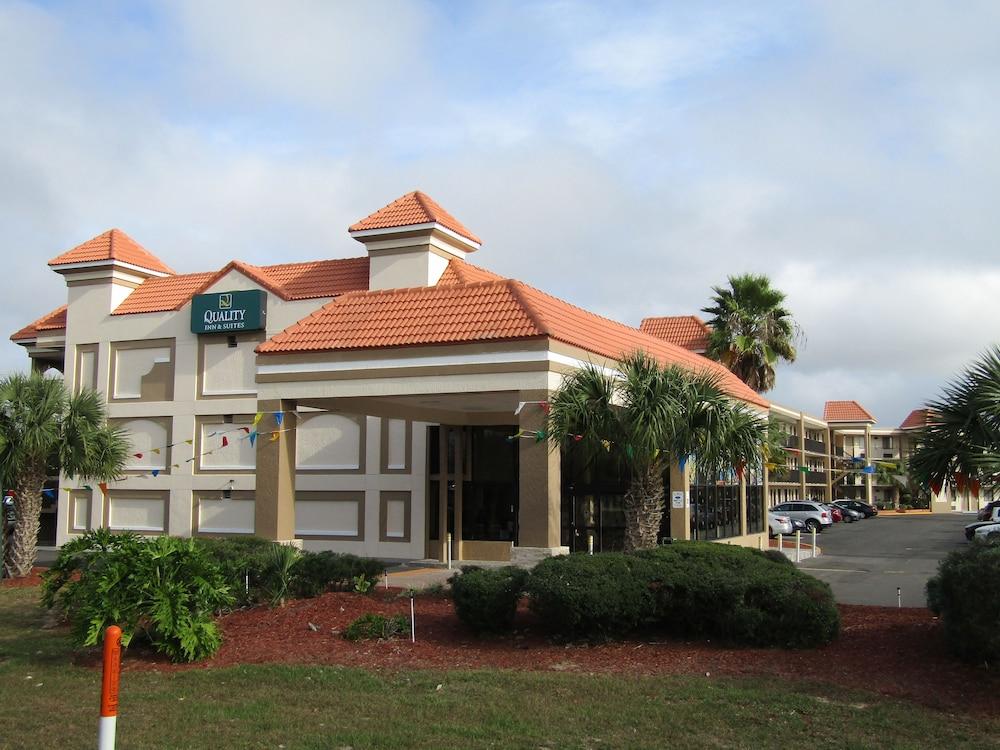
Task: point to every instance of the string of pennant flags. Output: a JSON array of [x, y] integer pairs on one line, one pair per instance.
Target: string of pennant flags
[[251, 433]]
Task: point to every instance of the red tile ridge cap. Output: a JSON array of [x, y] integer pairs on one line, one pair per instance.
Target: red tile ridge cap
[[254, 273]]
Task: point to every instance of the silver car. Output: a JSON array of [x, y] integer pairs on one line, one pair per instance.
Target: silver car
[[813, 515], [778, 524]]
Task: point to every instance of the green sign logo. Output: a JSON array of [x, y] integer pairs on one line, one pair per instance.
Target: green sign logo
[[229, 312]]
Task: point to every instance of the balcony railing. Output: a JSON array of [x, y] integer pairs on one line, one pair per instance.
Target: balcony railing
[[816, 446], [815, 477], [784, 476]]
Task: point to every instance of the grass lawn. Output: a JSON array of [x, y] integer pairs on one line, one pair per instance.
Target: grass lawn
[[329, 707]]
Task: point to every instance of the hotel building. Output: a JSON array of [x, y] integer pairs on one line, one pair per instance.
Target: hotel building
[[381, 404]]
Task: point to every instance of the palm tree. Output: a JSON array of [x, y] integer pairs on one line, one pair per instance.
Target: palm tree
[[750, 329], [648, 416], [960, 447], [41, 424]]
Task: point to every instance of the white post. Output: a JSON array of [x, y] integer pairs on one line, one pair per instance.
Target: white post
[[590, 544], [814, 542], [111, 671], [447, 551], [798, 545], [413, 624], [899, 597], [387, 579], [781, 543]]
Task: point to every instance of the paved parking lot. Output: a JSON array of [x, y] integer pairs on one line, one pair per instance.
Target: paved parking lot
[[864, 562]]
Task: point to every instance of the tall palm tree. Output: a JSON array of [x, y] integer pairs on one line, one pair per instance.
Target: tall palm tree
[[960, 447], [42, 424], [648, 416], [751, 329]]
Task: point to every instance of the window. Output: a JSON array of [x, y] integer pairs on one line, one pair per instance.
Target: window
[[86, 367], [144, 511], [214, 513], [330, 515], [149, 441], [228, 439], [396, 446], [332, 443], [394, 515], [142, 370], [227, 365]]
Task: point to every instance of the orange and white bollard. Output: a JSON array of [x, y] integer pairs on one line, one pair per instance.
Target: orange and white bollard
[[109, 688]]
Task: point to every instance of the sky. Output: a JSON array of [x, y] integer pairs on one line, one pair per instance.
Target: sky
[[623, 156]]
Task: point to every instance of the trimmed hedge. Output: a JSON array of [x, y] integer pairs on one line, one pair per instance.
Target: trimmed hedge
[[486, 598], [318, 572], [312, 574], [687, 589], [601, 595], [965, 594]]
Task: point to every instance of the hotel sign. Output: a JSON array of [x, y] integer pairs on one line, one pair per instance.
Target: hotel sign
[[229, 312]]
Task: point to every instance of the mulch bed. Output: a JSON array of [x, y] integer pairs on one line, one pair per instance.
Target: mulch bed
[[895, 652], [34, 579]]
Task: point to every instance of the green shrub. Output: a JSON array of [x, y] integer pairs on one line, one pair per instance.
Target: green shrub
[[256, 572], [687, 589], [245, 562], [486, 598], [281, 560], [777, 556], [740, 595], [372, 627], [965, 593], [584, 595], [164, 590], [317, 572]]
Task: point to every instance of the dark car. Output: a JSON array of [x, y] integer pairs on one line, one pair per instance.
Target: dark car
[[860, 507], [993, 518], [986, 512]]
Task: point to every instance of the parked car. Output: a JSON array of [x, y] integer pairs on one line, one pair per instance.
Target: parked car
[[850, 514], [986, 512], [812, 514], [778, 524], [835, 512], [992, 520], [988, 533], [858, 505]]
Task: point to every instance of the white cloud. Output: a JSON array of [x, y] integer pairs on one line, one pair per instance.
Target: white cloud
[[626, 161]]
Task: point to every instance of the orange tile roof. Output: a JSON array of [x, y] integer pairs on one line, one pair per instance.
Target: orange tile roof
[[53, 321], [502, 310], [290, 281], [163, 294], [915, 419], [112, 245], [846, 411], [688, 331], [412, 208], [461, 272]]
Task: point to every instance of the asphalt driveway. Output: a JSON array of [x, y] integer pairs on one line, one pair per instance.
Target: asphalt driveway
[[864, 562]]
